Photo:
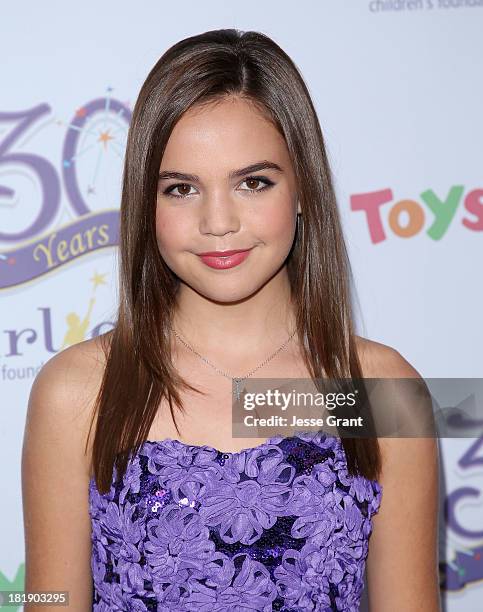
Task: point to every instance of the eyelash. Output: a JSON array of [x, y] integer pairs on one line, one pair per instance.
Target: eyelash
[[262, 179]]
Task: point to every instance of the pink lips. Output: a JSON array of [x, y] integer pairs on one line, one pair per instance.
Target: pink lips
[[222, 260]]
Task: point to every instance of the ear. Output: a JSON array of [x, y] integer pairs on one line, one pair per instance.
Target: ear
[[299, 209]]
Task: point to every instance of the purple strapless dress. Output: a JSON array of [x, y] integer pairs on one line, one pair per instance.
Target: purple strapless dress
[[280, 526]]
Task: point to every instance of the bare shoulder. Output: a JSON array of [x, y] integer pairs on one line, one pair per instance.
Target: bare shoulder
[[56, 470], [383, 361], [409, 480], [64, 390]]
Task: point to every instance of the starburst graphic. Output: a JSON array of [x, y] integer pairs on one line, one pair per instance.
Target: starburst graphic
[[105, 137], [95, 144], [98, 279]]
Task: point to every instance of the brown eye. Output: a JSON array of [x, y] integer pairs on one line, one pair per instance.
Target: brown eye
[[252, 183], [182, 189], [255, 184]]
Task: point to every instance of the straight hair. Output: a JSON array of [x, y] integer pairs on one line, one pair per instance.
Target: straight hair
[[138, 370]]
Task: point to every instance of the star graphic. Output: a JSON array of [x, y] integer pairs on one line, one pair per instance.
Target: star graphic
[[98, 279], [105, 137]]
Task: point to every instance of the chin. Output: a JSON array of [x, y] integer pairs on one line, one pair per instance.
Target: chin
[[228, 295], [225, 291]]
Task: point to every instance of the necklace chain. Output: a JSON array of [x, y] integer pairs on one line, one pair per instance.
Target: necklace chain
[[237, 380]]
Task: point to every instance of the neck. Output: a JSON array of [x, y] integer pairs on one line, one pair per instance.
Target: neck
[[258, 323]]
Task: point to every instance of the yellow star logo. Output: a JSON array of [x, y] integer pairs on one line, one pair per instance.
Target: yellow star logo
[[98, 279]]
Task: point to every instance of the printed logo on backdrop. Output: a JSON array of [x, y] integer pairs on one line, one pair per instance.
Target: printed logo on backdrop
[[55, 209], [462, 565], [403, 6], [434, 214], [38, 194]]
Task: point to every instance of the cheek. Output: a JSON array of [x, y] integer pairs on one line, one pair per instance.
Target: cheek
[[277, 224], [171, 230]]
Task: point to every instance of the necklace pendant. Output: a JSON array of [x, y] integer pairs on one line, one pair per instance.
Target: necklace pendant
[[237, 382]]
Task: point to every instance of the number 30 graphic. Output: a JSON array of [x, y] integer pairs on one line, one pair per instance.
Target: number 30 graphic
[[101, 124]]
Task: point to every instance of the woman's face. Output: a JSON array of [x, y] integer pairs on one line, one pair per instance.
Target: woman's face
[[209, 200]]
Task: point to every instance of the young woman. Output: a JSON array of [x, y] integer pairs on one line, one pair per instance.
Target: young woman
[[162, 509]]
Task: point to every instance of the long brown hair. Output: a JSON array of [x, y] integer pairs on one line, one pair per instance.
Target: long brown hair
[[138, 371]]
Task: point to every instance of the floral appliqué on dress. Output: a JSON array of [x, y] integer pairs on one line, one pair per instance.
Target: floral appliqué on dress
[[280, 526]]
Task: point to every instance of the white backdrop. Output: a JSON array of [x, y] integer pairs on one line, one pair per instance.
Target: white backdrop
[[399, 91]]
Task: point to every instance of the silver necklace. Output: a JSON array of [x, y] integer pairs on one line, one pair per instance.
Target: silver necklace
[[237, 380]]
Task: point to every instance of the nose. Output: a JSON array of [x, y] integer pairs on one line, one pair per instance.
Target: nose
[[219, 215]]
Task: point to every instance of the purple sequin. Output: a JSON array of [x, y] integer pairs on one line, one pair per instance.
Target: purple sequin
[[280, 526]]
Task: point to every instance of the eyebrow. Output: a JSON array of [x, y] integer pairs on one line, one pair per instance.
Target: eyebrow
[[262, 165]]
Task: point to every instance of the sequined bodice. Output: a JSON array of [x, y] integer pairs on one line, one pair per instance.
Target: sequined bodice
[[280, 526]]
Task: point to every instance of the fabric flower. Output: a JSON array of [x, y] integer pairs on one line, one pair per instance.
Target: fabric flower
[[281, 525]]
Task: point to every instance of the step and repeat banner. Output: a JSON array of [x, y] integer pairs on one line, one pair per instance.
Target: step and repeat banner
[[399, 91]]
